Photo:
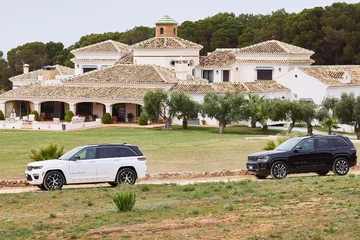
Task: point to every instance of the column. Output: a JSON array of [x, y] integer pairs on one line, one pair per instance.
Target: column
[[108, 109], [37, 107], [72, 107], [2, 108]]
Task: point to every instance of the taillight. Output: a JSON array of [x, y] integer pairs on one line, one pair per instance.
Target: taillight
[[141, 158]]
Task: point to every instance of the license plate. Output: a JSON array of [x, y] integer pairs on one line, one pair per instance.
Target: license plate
[[251, 167]]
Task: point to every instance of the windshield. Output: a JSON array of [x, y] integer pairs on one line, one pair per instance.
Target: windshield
[[289, 144], [70, 153]]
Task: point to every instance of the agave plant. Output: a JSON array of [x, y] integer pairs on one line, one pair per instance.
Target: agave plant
[[51, 151]]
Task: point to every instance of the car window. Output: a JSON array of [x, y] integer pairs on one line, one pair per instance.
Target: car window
[[307, 144], [321, 143], [105, 152], [337, 142], [88, 153], [123, 152]]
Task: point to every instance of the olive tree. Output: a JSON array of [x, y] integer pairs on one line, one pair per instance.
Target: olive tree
[[225, 108], [184, 106], [308, 114]]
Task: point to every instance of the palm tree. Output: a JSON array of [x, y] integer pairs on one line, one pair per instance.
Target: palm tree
[[254, 103], [330, 123], [51, 151]]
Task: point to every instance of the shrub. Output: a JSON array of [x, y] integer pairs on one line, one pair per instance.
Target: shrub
[[106, 119], [37, 116], [124, 201], [51, 151], [271, 144], [68, 116], [1, 115], [143, 119]]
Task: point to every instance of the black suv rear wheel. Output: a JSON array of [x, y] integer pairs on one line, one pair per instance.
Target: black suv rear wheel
[[279, 170], [341, 167]]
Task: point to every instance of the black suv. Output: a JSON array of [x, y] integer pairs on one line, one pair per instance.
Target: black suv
[[318, 154]]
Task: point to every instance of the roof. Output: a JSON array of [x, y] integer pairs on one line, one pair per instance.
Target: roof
[[270, 47], [275, 61], [33, 75], [39, 91], [127, 74], [108, 46], [126, 59], [201, 88], [166, 43], [218, 59], [166, 20], [333, 75]]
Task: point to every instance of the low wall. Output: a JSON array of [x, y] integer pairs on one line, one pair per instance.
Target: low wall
[[11, 125], [65, 126]]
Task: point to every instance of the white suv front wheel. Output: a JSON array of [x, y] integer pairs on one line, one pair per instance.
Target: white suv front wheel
[[54, 180]]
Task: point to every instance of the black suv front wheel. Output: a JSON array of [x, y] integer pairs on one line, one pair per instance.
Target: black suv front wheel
[[279, 170], [341, 167]]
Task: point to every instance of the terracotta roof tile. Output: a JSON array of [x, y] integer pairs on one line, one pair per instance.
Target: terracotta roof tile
[[192, 88], [33, 75], [166, 42], [126, 59], [108, 46], [218, 59], [38, 91], [230, 87], [274, 61], [271, 47], [333, 75], [93, 60], [265, 86]]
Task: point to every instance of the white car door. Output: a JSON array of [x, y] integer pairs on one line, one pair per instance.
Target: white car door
[[105, 164], [83, 169]]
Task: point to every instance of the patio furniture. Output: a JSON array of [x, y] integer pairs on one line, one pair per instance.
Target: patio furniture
[[56, 120], [31, 117]]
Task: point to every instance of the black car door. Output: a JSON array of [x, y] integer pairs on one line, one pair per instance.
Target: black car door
[[323, 154], [303, 156]]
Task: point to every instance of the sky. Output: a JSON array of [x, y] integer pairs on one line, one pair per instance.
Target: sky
[[65, 21]]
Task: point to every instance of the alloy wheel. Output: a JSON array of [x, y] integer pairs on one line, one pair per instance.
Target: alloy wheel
[[341, 167], [279, 170], [127, 177], [54, 181]]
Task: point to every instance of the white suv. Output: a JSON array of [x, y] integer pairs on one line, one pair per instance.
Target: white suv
[[112, 163]]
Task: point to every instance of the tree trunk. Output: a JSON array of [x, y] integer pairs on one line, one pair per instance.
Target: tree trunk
[[357, 131], [167, 123], [309, 129], [222, 128], [292, 125], [185, 123], [329, 131], [253, 123], [265, 128]]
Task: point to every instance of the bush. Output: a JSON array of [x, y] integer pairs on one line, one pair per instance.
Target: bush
[[271, 144], [124, 201], [106, 119], [143, 119], [37, 116], [68, 116], [1, 115], [51, 151]]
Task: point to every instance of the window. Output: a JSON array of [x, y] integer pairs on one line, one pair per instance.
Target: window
[[307, 144], [336, 142], [123, 152], [172, 63], [85, 70], [264, 74], [174, 31], [226, 75], [88, 153], [321, 144], [208, 74], [161, 31], [104, 152]]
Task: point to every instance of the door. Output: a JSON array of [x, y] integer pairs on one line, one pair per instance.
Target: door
[[324, 154], [84, 168], [105, 164], [303, 158]]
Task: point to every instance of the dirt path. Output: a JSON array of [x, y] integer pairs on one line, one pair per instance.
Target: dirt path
[[175, 178]]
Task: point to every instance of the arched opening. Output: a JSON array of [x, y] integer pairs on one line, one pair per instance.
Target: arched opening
[[161, 31], [21, 108], [90, 110], [53, 109], [126, 112]]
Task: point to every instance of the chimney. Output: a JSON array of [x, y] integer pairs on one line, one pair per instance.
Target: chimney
[[181, 68], [48, 72], [26, 68]]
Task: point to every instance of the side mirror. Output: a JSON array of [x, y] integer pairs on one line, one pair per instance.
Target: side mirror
[[297, 148], [75, 158]]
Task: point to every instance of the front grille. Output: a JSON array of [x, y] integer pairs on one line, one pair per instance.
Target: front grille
[[28, 178], [251, 158]]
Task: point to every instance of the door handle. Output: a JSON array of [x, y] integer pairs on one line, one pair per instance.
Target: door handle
[[333, 149]]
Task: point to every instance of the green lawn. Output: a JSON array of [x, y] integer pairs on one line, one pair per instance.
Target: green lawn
[[195, 149], [292, 208]]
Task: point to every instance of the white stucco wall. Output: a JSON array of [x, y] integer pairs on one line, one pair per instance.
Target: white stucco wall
[[303, 86], [337, 91]]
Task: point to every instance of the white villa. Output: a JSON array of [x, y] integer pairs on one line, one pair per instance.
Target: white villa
[[114, 77]]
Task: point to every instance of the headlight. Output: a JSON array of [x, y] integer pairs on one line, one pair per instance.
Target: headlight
[[33, 167], [263, 158]]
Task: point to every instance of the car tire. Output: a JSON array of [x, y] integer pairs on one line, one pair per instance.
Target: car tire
[[322, 173], [258, 176], [113, 184], [126, 176], [341, 167], [42, 187], [54, 180], [279, 170]]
